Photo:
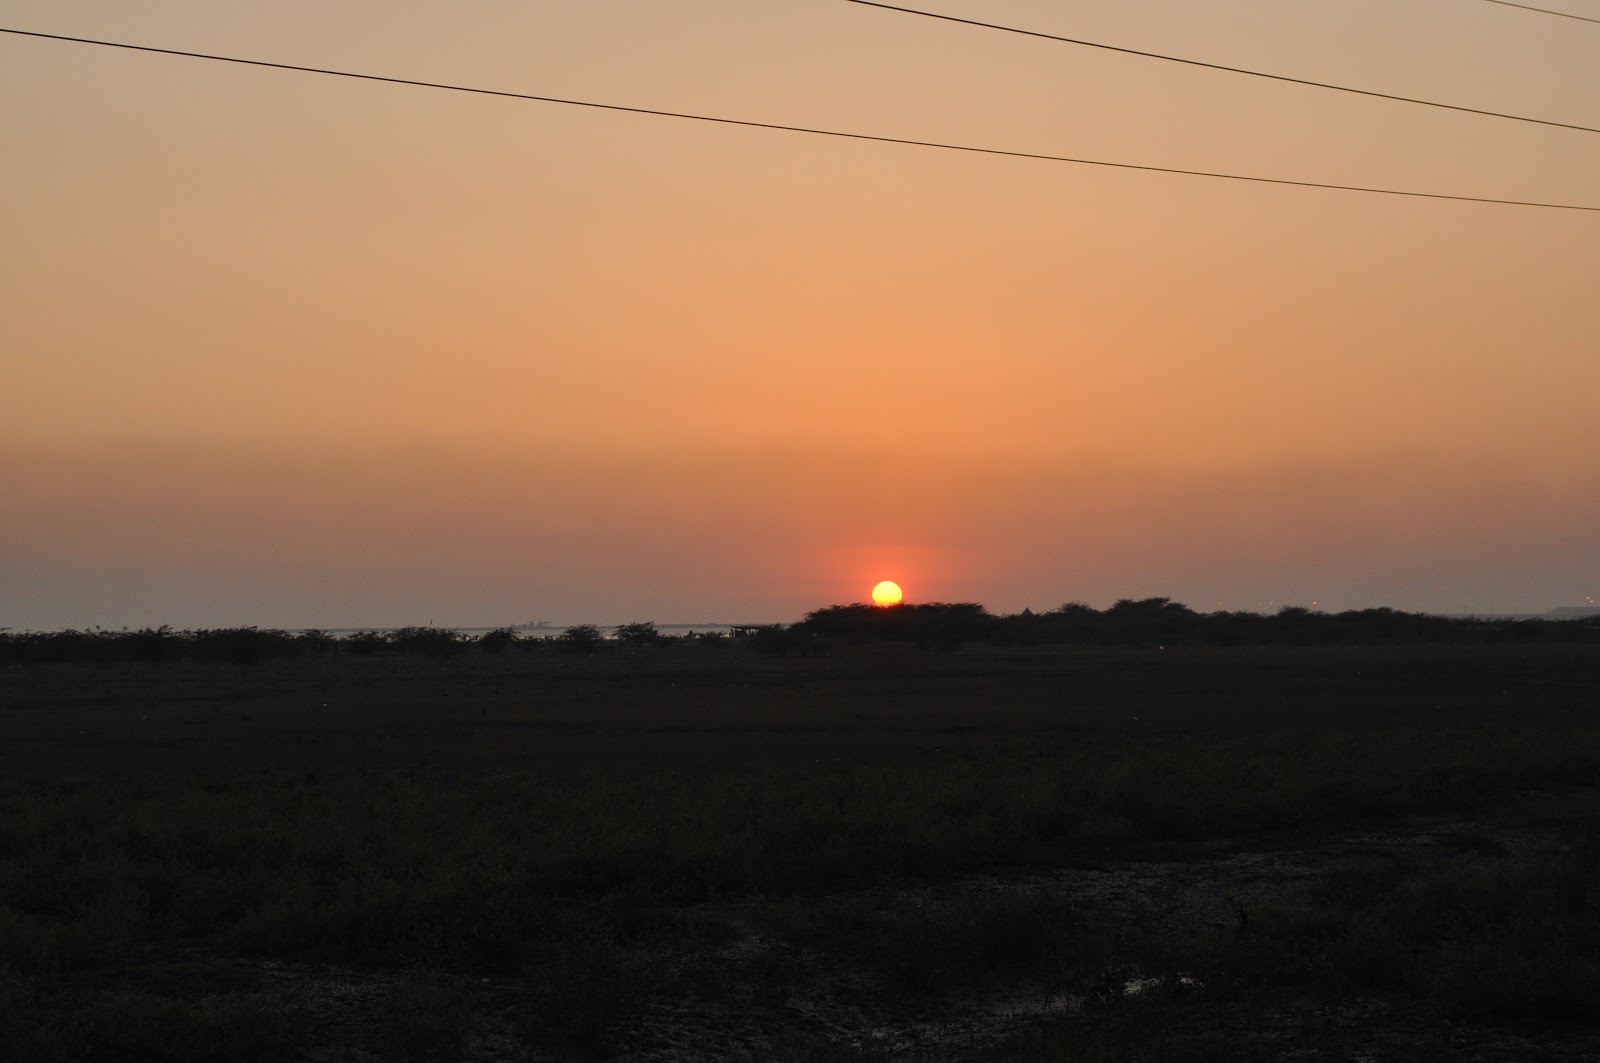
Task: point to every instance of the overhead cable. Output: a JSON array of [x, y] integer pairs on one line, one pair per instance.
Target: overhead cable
[[1224, 68], [781, 127], [1545, 11]]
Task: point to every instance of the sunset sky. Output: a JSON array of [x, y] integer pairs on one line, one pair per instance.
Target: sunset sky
[[292, 350]]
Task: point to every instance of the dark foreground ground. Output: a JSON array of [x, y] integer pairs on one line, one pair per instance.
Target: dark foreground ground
[[695, 852]]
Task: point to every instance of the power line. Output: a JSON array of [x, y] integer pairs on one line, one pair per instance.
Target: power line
[[1226, 69], [1545, 11], [841, 134]]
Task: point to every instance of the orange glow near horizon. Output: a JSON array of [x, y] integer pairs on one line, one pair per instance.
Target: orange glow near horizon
[[300, 351], [886, 593]]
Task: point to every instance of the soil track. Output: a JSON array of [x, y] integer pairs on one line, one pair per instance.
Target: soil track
[[746, 990]]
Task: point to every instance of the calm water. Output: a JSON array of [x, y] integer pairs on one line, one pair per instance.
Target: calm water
[[547, 629]]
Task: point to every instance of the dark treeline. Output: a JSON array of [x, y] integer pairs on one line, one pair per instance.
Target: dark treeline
[[1161, 621], [933, 626], [248, 645]]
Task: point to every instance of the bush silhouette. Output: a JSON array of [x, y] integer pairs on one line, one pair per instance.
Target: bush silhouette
[[317, 642], [499, 640], [152, 644], [582, 638], [239, 645], [639, 634], [365, 643], [935, 625], [426, 641]]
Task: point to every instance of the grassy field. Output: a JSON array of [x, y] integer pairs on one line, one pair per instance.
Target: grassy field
[[544, 855]]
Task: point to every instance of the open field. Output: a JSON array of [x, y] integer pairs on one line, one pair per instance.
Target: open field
[[694, 851]]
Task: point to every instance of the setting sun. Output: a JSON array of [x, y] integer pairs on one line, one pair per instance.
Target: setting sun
[[886, 593]]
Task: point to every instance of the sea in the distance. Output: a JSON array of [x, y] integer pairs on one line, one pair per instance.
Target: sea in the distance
[[547, 629]]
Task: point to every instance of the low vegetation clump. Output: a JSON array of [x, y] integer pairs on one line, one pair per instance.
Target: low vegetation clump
[[930, 626], [1161, 621]]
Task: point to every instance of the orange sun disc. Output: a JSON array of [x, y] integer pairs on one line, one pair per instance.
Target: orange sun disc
[[886, 593]]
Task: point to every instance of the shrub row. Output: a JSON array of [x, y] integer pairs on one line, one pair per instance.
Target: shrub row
[[248, 645], [947, 626], [1159, 621]]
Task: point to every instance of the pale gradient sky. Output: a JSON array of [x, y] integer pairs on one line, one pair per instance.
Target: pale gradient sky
[[289, 350]]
